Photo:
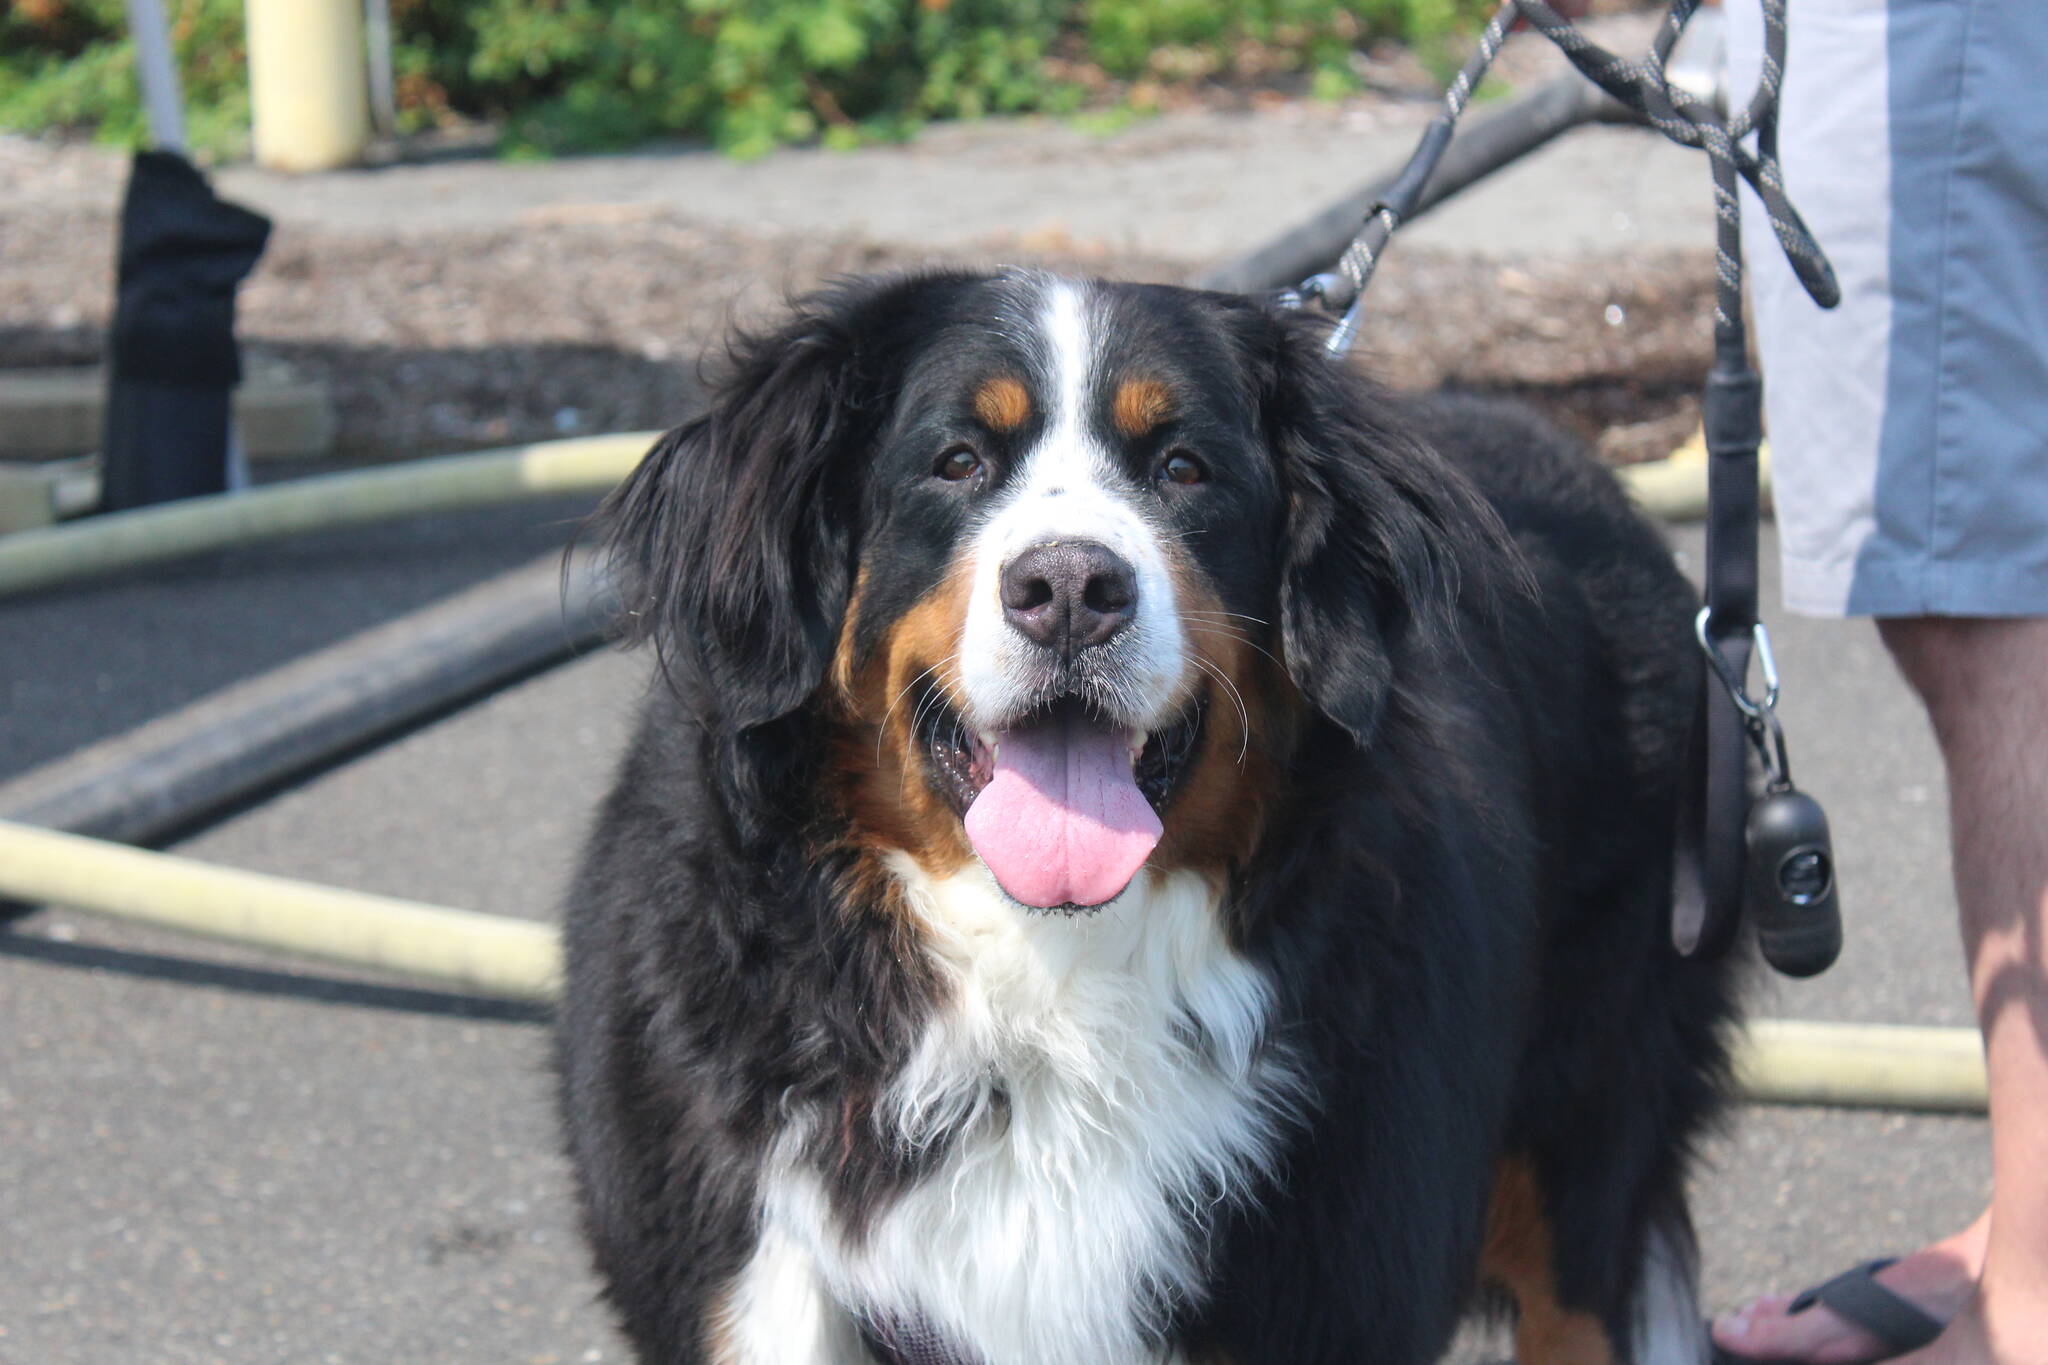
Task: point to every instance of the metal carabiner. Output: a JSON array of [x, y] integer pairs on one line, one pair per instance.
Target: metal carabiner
[[1738, 691], [1767, 737], [1759, 718]]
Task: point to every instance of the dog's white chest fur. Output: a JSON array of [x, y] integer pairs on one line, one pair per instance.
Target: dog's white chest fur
[[1105, 1082]]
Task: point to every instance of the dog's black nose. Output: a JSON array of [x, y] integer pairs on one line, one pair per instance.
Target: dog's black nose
[[1068, 595]]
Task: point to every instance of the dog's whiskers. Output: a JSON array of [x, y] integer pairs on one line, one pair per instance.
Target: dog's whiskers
[[935, 697], [1255, 620], [1229, 634], [883, 728], [1244, 720]]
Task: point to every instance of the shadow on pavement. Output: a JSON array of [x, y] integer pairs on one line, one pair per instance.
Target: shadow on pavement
[[259, 982]]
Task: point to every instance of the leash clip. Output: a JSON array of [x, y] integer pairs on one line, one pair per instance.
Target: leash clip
[[1791, 895], [1759, 715], [1738, 691]]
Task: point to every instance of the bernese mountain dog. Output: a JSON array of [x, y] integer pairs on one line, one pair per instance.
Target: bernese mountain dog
[[1144, 847]]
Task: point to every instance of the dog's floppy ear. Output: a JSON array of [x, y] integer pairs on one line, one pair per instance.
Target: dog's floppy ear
[[1378, 529], [733, 541]]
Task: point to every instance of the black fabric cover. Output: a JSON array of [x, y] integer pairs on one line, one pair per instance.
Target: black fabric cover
[[172, 360], [161, 442]]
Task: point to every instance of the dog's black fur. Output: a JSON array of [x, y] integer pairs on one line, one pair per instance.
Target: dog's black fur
[[1461, 892]]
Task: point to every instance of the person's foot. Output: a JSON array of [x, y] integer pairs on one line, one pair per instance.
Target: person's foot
[[1938, 1279]]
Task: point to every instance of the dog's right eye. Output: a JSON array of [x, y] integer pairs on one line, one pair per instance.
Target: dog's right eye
[[959, 462]]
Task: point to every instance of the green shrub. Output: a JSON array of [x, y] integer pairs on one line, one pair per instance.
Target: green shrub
[[69, 64], [561, 75]]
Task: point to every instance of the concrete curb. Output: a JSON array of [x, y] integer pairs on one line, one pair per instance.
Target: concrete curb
[[56, 412]]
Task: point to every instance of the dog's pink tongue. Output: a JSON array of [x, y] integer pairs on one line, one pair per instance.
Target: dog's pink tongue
[[1062, 821]]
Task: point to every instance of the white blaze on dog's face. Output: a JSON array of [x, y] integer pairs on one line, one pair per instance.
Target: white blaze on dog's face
[[1072, 652], [1066, 586], [1069, 490]]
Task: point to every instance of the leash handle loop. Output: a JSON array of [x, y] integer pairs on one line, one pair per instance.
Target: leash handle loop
[[1645, 88]]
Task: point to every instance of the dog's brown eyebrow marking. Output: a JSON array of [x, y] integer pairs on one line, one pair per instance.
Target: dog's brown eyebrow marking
[[1141, 404], [1002, 403]]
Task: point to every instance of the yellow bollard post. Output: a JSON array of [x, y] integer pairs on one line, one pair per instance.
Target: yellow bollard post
[[308, 94]]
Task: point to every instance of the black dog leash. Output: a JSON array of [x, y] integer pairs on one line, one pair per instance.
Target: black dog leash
[[1773, 852]]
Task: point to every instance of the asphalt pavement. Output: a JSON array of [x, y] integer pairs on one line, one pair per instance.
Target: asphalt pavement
[[217, 1155]]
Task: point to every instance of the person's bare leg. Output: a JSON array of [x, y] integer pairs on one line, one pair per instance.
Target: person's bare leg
[[1985, 686]]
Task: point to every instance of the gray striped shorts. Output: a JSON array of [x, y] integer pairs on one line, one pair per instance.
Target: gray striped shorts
[[1909, 427]]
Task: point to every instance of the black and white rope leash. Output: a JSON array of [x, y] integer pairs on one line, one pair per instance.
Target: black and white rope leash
[[1772, 853], [1645, 89]]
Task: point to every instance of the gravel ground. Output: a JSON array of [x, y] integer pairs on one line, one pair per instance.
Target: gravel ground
[[451, 340], [466, 304]]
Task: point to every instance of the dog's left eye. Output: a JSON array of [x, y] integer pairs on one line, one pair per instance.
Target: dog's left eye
[[958, 463], [1182, 466]]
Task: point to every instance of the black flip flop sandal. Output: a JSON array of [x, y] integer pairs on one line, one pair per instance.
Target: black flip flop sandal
[[1856, 1297]]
